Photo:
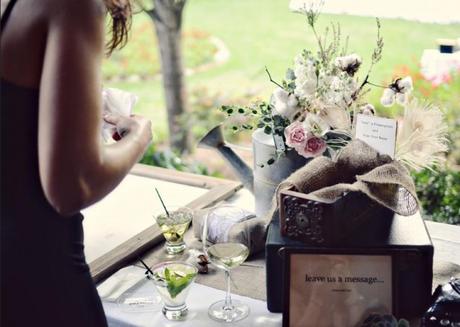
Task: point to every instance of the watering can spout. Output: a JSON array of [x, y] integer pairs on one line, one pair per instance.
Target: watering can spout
[[214, 139]]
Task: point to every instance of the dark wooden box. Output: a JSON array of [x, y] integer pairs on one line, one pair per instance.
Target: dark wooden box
[[405, 238], [321, 223]]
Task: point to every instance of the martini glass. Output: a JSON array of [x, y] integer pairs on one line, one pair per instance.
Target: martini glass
[[224, 255], [173, 281], [173, 225]]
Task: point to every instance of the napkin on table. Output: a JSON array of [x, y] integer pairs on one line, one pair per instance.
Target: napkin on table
[[120, 282]]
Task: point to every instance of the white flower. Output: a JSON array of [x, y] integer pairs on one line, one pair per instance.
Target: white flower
[[368, 110], [298, 60], [315, 125], [349, 64], [305, 81], [336, 83], [336, 117], [421, 140], [399, 90], [337, 90], [285, 104], [405, 84], [388, 98]]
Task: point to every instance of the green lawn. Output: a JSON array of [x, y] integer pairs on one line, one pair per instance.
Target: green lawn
[[264, 33]]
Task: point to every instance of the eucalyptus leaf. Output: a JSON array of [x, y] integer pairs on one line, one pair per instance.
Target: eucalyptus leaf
[[290, 74]]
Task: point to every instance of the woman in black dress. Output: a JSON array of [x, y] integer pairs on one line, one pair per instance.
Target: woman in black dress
[[53, 163]]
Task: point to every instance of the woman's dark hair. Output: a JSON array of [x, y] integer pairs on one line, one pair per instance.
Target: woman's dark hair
[[120, 12]]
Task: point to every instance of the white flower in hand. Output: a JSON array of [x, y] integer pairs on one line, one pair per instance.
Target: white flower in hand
[[399, 90], [349, 64], [285, 104]]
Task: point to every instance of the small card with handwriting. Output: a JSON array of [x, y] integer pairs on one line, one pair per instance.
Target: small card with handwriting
[[378, 132]]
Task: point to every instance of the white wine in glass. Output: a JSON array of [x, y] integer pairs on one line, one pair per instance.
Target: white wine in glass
[[226, 256]]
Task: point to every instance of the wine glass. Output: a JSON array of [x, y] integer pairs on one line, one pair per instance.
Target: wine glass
[[225, 255]]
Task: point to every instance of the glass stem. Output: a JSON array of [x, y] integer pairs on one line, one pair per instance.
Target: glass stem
[[228, 297]]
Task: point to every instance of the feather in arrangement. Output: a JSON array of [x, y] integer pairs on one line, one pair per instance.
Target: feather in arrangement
[[422, 141]]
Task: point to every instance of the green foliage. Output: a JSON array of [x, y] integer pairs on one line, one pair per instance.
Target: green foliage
[[170, 160], [256, 115], [203, 116], [140, 56], [447, 96], [439, 194]]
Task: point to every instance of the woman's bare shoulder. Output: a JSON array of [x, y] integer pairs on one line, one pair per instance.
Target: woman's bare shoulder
[[81, 10]]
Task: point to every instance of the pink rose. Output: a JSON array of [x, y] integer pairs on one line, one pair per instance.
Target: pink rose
[[295, 135], [313, 147]]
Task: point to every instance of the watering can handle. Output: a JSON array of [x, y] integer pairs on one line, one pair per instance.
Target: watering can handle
[[241, 169]]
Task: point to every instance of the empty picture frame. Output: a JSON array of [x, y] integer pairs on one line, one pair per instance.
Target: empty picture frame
[[216, 190]]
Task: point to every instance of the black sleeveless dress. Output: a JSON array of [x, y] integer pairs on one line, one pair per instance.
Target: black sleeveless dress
[[45, 280]]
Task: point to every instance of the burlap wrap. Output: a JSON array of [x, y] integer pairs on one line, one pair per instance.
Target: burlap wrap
[[358, 168]]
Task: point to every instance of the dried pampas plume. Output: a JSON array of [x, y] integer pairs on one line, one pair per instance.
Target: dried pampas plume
[[422, 140]]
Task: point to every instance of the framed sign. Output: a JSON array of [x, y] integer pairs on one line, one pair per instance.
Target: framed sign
[[333, 287]]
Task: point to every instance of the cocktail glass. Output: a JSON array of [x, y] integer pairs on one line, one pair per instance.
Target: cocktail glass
[[172, 281], [173, 226]]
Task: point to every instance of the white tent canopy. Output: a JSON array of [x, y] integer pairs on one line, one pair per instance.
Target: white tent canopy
[[428, 11]]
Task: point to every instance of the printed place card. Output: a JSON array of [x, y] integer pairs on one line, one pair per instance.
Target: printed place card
[[378, 132]]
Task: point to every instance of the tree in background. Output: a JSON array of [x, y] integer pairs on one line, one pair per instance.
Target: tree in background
[[166, 16]]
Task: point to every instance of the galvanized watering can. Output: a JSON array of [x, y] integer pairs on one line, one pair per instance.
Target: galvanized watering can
[[263, 180]]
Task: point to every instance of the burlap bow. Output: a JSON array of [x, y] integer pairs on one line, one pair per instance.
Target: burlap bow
[[358, 168]]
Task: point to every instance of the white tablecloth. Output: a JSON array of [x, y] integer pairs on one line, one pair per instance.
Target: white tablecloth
[[123, 285]]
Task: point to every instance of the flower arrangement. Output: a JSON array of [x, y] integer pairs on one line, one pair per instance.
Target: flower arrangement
[[312, 110]]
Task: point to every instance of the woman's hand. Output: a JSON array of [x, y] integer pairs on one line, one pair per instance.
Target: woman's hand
[[137, 125]]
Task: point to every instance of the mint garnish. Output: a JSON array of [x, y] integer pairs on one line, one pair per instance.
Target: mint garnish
[[176, 282]]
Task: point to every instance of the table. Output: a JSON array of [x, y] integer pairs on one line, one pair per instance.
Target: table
[[446, 240]]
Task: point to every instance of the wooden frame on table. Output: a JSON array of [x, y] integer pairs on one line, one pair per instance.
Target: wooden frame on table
[[219, 190]]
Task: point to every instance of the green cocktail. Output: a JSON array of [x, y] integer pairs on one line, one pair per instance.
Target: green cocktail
[[172, 281]]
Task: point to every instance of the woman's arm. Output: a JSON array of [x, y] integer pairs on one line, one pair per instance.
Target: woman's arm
[[76, 170]]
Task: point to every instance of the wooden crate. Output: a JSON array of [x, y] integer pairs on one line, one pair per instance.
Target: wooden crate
[[321, 223]]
